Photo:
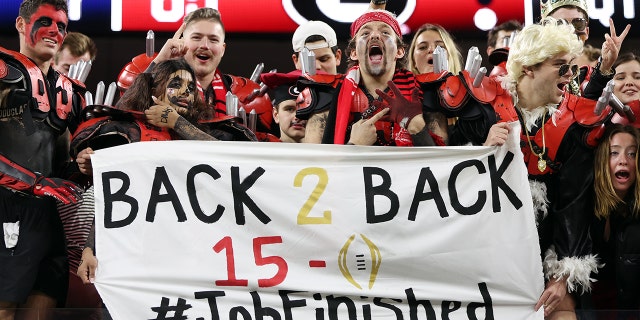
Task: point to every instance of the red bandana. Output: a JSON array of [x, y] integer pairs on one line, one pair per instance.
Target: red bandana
[[376, 15]]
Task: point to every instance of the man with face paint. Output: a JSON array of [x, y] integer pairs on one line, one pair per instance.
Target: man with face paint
[[377, 78], [36, 106]]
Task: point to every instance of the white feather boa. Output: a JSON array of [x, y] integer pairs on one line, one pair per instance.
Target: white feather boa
[[577, 269], [540, 199]]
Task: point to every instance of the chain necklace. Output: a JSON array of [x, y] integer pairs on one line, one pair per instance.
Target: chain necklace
[[542, 164]]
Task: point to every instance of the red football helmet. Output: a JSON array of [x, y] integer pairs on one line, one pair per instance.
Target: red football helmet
[[131, 70]]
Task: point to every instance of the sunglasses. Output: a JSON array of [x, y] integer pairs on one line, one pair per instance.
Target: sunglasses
[[580, 24], [565, 68]]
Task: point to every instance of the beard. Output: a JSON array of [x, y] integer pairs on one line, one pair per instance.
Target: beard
[[376, 70]]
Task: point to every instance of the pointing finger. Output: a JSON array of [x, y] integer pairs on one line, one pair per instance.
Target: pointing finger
[[377, 116], [178, 33]]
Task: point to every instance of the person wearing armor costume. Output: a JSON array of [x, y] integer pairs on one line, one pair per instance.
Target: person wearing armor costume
[[36, 106], [171, 86], [200, 40], [559, 132], [615, 229], [558, 135], [312, 103], [376, 80]]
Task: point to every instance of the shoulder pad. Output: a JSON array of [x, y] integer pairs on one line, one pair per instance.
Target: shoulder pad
[[131, 70], [486, 92], [430, 77], [453, 93], [35, 82], [9, 73], [580, 110], [242, 87], [64, 94]]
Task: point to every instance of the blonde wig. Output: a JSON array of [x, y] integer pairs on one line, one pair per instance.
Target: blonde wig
[[537, 43]]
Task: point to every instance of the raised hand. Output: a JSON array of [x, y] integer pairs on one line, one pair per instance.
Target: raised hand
[[611, 46], [162, 114], [402, 111], [173, 48]]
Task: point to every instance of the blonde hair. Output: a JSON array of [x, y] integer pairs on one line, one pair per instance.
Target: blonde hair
[[537, 43], [606, 198], [454, 55]]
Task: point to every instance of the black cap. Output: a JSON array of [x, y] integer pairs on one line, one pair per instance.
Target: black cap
[[283, 93]]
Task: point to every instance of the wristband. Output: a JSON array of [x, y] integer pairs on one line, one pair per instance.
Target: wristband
[[379, 2]]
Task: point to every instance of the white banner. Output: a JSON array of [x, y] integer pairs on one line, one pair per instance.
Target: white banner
[[228, 230]]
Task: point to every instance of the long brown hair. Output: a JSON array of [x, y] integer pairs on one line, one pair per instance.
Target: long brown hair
[[138, 96], [606, 198]]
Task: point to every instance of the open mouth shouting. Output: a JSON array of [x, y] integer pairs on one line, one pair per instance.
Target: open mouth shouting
[[622, 176], [375, 53]]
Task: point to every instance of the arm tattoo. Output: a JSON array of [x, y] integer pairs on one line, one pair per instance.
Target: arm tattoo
[[187, 131]]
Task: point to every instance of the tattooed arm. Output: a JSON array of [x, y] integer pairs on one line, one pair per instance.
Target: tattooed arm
[[315, 128], [164, 116], [186, 130]]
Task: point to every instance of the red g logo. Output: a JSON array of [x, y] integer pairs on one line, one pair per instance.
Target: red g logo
[[339, 14]]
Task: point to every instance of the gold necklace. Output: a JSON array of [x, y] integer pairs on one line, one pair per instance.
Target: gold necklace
[[542, 164]]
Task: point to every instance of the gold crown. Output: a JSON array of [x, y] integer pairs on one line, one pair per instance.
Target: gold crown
[[547, 6]]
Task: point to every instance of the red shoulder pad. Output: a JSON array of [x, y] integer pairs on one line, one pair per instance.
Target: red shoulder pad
[[504, 108], [582, 110], [486, 92], [453, 93], [432, 77], [242, 87], [131, 70], [35, 75], [9, 73], [65, 89]]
